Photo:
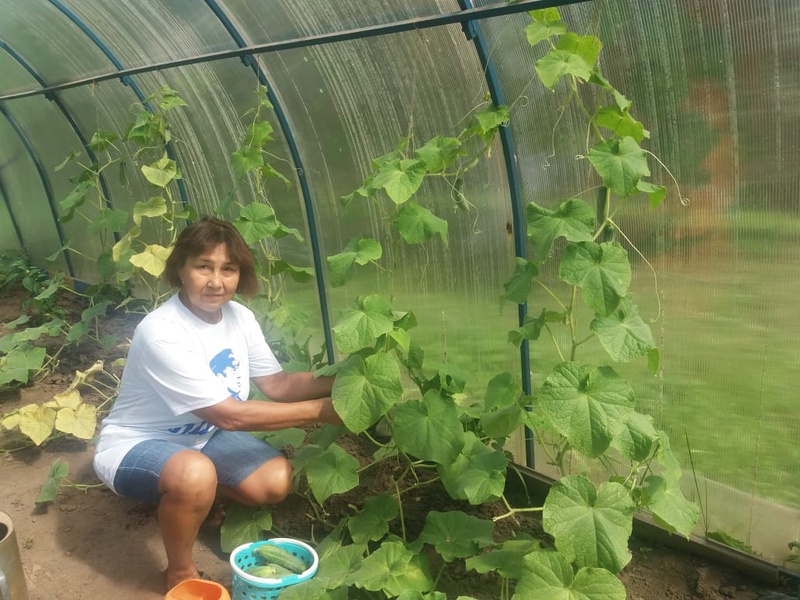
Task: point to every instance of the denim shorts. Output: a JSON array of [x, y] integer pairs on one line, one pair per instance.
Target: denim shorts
[[235, 454]]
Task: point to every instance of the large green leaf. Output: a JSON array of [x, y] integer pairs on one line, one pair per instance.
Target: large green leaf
[[49, 490], [372, 523], [586, 46], [590, 526], [365, 389], [417, 224], [359, 250], [637, 439], [478, 474], [557, 63], [391, 569], [440, 152], [588, 407], [502, 414], [574, 220], [549, 576], [455, 534], [518, 286], [329, 470], [620, 122], [400, 178], [546, 23], [429, 429], [507, 559], [602, 271], [257, 221], [244, 524], [258, 134], [621, 163], [245, 160], [361, 324], [669, 506], [623, 333]]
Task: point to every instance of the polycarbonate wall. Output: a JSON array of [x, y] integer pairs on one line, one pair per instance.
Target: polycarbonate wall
[[715, 82]]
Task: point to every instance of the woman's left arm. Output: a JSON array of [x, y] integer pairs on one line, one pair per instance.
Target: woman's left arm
[[291, 387]]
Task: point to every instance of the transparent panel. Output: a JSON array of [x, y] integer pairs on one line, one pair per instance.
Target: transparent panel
[[712, 81], [27, 200], [48, 41]]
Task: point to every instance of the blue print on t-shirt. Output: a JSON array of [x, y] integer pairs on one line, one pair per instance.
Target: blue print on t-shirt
[[200, 428], [226, 367]]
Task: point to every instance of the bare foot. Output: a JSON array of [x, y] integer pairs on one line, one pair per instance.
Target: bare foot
[[175, 577]]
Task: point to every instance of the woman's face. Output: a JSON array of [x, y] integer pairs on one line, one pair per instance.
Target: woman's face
[[208, 282]]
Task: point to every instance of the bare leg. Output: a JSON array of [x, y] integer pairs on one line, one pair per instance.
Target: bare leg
[[188, 485], [269, 484]]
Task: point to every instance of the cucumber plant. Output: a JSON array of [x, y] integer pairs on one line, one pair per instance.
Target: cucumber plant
[[580, 409]]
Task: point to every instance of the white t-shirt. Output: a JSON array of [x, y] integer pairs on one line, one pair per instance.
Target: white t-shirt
[[178, 363]]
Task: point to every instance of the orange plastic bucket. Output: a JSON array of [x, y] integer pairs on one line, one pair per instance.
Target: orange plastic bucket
[[198, 589]]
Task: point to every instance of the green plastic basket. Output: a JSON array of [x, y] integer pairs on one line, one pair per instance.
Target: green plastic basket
[[248, 587]]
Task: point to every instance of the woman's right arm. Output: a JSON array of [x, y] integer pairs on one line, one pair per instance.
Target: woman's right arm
[[259, 415]]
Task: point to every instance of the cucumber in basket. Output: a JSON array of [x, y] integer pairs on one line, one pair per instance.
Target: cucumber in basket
[[278, 556]]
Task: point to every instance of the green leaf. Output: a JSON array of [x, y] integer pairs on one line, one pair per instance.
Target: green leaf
[[478, 474], [429, 429], [401, 178], [417, 224], [112, 219], [162, 172], [270, 172], [372, 523], [588, 407], [359, 250], [70, 157], [531, 328], [637, 439], [621, 123], [329, 471], [669, 506], [507, 560], [573, 220], [546, 23], [655, 193], [102, 140], [440, 152], [258, 134], [557, 63], [623, 333], [549, 576], [518, 286], [392, 569], [19, 363], [602, 272], [75, 200], [489, 120], [245, 160], [49, 490], [586, 46], [361, 324], [622, 102], [455, 534], [365, 389], [503, 412], [258, 221], [590, 526], [620, 163], [244, 524]]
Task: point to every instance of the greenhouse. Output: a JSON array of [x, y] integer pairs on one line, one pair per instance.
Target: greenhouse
[[542, 254]]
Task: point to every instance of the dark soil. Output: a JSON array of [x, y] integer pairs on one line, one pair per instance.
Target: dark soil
[[94, 545]]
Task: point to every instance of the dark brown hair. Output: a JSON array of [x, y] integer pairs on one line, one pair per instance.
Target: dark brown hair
[[203, 235]]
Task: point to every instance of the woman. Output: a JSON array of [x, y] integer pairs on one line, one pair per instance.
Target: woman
[[177, 434]]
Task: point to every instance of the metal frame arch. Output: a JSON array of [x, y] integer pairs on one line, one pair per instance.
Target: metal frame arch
[[250, 61], [48, 190], [472, 31], [14, 223], [67, 115], [126, 79]]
